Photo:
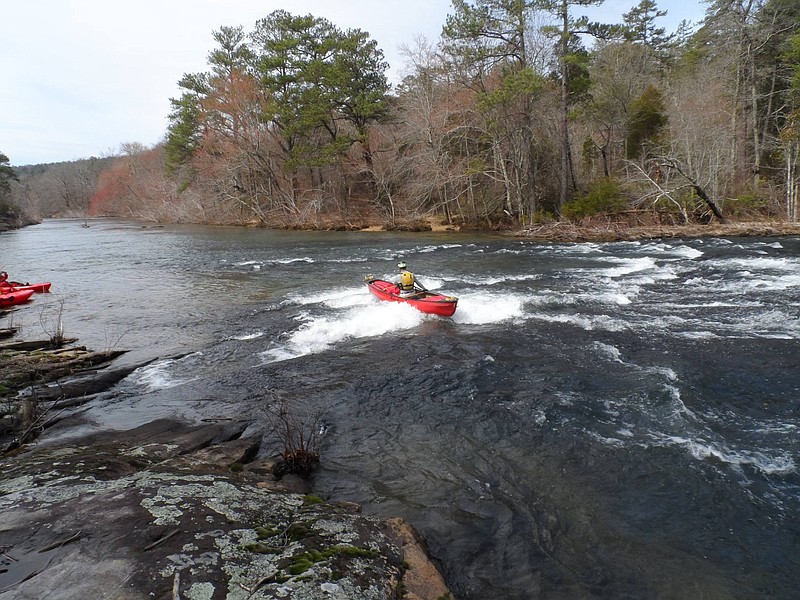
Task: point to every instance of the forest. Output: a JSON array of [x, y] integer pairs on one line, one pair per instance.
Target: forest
[[521, 113]]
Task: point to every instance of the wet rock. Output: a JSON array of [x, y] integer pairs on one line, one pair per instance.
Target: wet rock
[[422, 580], [171, 511], [39, 379]]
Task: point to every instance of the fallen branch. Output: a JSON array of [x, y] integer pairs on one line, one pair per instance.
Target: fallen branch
[[671, 163], [161, 540], [55, 545]]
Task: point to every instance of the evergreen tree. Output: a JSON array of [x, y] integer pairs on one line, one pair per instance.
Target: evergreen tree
[[485, 34], [184, 131], [640, 27], [647, 119], [318, 77], [7, 175]]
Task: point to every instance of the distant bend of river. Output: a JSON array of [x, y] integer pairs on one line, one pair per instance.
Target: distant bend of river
[[598, 420]]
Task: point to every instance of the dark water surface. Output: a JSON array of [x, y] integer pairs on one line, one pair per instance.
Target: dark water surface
[[596, 421]]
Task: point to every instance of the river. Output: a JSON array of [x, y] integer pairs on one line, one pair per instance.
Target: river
[[615, 420]]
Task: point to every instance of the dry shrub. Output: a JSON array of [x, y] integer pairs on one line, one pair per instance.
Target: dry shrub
[[298, 428]]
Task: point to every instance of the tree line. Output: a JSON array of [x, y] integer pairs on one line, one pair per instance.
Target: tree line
[[522, 112]]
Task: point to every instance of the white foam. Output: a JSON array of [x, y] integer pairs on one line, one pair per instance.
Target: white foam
[[318, 334], [608, 351], [761, 264], [289, 261], [666, 372], [698, 335], [157, 376], [628, 266], [482, 308], [605, 440], [247, 336], [434, 248], [780, 464], [348, 260], [589, 323], [613, 298], [769, 465], [682, 251], [750, 281], [583, 248], [677, 401]]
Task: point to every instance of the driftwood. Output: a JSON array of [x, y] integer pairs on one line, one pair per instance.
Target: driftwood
[[7, 332], [35, 345]]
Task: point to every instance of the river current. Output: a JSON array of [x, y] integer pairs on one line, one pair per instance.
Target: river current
[[597, 420]]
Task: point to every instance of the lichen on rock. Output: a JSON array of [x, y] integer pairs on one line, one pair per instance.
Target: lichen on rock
[[151, 527]]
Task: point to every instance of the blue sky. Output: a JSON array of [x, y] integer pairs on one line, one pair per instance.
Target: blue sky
[[80, 77]]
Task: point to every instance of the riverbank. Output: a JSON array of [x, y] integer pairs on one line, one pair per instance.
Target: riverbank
[[7, 224], [567, 232]]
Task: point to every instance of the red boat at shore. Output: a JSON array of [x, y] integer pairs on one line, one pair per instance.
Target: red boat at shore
[[16, 286], [423, 300], [16, 297], [7, 286]]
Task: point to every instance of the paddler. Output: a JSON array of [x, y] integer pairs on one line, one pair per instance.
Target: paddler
[[406, 280]]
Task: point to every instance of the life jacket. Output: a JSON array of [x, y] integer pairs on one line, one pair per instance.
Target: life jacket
[[407, 281]]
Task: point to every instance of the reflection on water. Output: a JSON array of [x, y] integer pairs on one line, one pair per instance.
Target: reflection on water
[[596, 420]]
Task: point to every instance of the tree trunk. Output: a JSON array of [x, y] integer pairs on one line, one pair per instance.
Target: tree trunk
[[562, 198], [711, 204]]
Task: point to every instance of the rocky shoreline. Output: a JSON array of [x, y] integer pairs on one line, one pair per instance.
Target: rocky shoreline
[[171, 510]]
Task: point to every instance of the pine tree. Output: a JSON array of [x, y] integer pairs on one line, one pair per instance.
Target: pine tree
[[640, 25], [7, 175]]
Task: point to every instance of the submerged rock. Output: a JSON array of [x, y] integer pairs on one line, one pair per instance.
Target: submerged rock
[[169, 511]]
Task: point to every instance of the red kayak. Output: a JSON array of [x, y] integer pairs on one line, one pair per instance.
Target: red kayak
[[7, 286], [16, 286], [424, 301], [12, 298]]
